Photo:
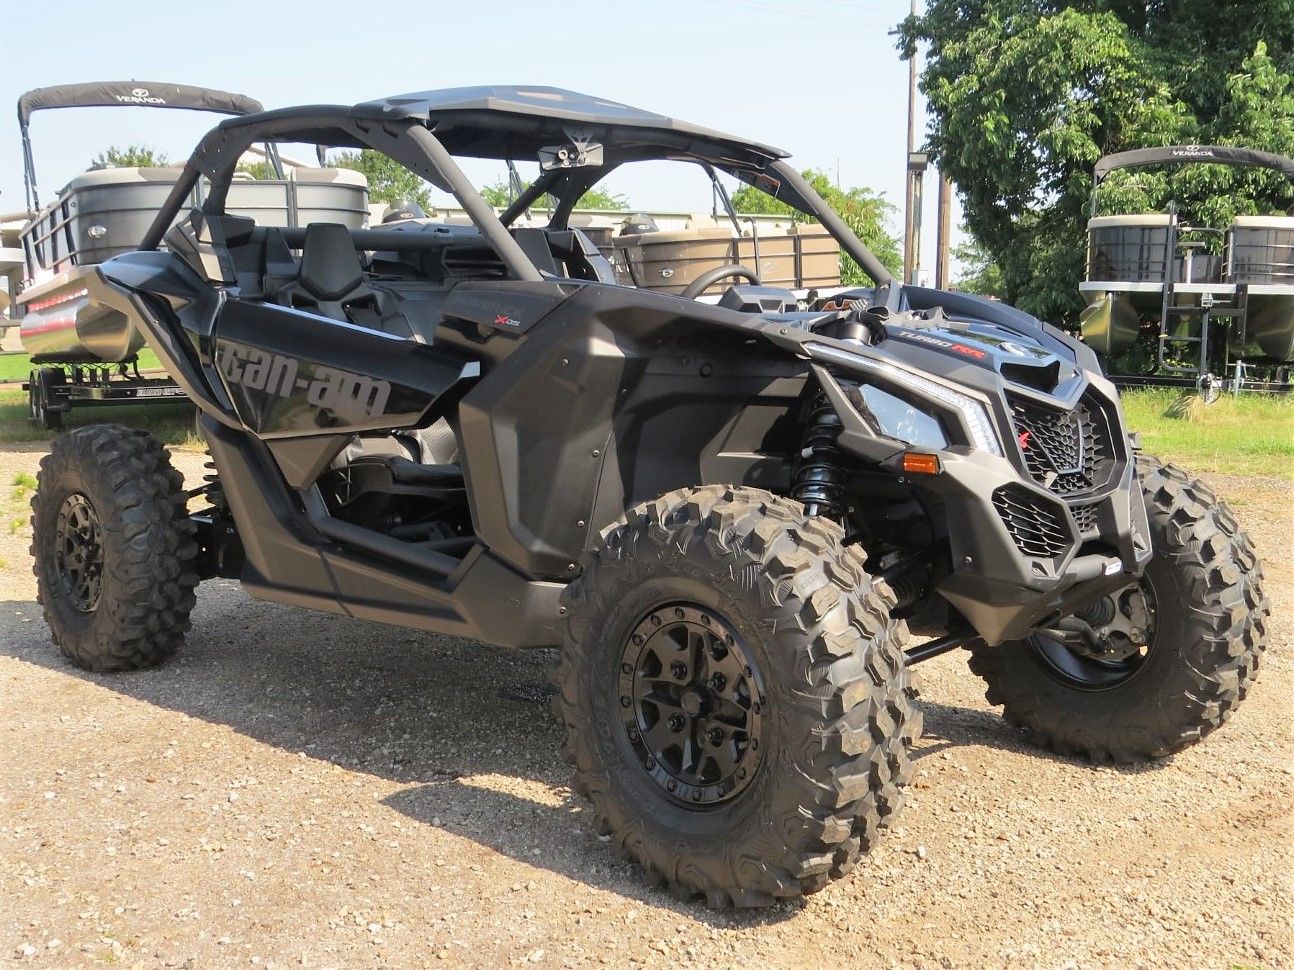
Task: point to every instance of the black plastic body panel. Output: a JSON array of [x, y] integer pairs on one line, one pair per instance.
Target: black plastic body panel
[[288, 561], [292, 373], [614, 397]]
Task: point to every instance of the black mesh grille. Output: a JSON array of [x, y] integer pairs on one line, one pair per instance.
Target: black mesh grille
[[1037, 526], [1085, 517], [1068, 452]]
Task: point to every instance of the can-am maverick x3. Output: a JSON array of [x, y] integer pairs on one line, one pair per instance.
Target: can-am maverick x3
[[729, 516]]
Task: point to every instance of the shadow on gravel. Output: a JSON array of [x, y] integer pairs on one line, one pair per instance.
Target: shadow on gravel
[[947, 726], [466, 726]]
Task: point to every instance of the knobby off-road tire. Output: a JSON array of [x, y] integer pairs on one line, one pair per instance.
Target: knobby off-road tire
[[838, 715], [108, 495], [1203, 654]]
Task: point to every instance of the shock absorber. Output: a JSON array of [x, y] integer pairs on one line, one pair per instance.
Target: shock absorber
[[818, 480]]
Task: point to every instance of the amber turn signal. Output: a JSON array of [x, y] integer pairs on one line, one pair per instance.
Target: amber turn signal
[[916, 463]]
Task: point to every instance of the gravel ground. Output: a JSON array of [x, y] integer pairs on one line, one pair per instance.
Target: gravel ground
[[297, 789]]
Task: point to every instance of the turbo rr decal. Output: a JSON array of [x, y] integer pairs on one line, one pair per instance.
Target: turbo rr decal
[[351, 397]]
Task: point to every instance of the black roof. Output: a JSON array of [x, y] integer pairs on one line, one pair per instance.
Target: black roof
[[145, 94], [541, 112]]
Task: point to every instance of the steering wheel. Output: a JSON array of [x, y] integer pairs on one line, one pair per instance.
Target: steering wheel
[[712, 276]]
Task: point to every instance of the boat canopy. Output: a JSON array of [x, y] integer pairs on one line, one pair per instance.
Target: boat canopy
[[1197, 154], [115, 94]]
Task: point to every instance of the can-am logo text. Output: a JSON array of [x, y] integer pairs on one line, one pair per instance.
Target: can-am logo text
[[139, 96], [1193, 151]]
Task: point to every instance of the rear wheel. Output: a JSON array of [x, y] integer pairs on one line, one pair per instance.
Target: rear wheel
[[735, 696], [1175, 653], [113, 548]]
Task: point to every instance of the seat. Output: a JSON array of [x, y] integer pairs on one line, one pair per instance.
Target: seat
[[331, 281]]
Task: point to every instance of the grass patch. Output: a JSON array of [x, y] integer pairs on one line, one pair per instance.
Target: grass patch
[[171, 423], [16, 366], [1247, 435]]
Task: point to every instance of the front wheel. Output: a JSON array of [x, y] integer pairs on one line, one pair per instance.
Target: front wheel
[[1178, 651], [734, 694]]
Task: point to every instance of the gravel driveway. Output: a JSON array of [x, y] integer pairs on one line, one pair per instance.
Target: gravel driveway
[[304, 790]]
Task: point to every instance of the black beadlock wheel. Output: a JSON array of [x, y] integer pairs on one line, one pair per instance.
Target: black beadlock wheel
[[113, 548], [1179, 650], [695, 703], [735, 697]]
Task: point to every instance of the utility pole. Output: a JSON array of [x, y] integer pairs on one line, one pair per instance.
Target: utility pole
[[911, 256], [944, 239]]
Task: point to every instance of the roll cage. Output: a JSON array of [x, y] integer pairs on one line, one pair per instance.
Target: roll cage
[[424, 132]]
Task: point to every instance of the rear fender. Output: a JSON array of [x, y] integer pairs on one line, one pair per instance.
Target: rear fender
[[175, 310]]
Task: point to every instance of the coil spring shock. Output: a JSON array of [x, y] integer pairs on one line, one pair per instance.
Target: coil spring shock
[[818, 480]]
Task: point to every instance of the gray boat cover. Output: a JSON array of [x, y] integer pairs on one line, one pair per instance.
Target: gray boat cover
[[147, 94], [1186, 154]]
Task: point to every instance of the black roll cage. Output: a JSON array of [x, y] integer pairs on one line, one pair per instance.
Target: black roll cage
[[413, 142]]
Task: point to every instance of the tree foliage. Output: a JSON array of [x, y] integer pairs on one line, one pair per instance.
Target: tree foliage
[[388, 180], [867, 214], [1026, 95], [498, 194], [980, 274], [262, 171], [131, 156]]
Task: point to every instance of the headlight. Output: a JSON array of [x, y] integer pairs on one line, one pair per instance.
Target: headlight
[[897, 418], [972, 411]]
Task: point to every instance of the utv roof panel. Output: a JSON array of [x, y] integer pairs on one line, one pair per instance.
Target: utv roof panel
[[551, 110]]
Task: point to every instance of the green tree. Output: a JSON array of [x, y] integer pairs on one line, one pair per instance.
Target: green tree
[[131, 156], [261, 171], [980, 274], [1026, 95], [500, 196], [867, 213], [388, 180]]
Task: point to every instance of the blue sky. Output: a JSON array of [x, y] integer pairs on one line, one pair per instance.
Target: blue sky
[[820, 78]]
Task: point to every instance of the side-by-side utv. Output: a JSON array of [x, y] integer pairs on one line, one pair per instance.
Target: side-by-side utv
[[729, 516]]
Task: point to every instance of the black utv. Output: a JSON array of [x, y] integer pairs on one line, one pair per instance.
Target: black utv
[[728, 501]]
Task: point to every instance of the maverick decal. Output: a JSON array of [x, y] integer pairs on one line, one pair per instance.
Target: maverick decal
[[352, 397]]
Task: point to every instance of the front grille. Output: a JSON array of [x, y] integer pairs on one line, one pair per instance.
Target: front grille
[[1037, 526], [1067, 452], [1085, 517]]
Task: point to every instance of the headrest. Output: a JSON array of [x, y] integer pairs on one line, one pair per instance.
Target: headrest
[[330, 267]]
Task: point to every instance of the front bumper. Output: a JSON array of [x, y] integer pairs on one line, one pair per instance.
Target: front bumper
[[1020, 552], [1019, 555]]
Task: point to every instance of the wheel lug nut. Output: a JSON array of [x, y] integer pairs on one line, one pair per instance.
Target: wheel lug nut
[[718, 682], [678, 613], [678, 669], [625, 702], [705, 620], [626, 669], [676, 722], [671, 785], [638, 639], [650, 764], [716, 737]]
